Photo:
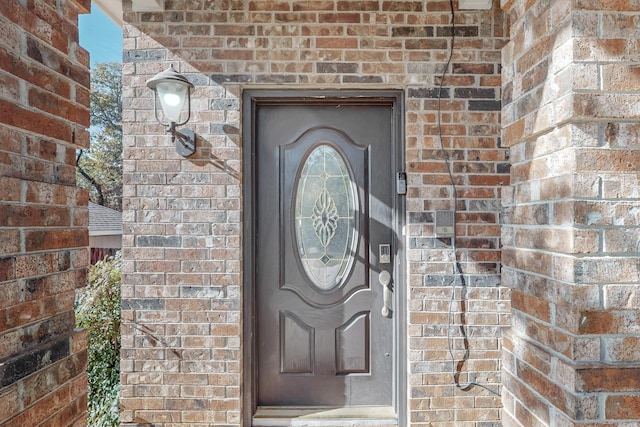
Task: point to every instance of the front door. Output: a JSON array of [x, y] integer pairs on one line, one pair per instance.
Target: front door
[[325, 251]]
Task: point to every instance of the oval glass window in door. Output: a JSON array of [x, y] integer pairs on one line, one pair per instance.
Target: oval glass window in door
[[326, 215]]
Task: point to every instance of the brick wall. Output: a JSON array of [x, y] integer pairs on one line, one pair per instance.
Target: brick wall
[[571, 115], [182, 292], [44, 98]]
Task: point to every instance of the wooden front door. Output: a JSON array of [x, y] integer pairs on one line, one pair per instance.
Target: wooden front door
[[325, 249]]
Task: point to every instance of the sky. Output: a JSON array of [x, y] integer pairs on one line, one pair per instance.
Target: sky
[[100, 36]]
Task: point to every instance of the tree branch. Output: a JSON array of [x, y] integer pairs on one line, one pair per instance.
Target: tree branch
[[90, 179]]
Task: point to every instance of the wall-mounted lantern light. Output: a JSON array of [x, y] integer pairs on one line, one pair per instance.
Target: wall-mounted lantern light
[[174, 90]]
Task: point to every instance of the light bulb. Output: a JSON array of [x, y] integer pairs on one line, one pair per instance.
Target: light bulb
[[171, 99]]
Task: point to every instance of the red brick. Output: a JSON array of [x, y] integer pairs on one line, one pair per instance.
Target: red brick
[[604, 5], [9, 404], [34, 73], [42, 409], [9, 244], [490, 180], [52, 194], [623, 349], [336, 43], [9, 87], [60, 27], [10, 38], [538, 308], [529, 408], [622, 407], [359, 6], [559, 240], [402, 6], [65, 416], [14, 115], [11, 189], [39, 240], [270, 5], [611, 380], [62, 108], [345, 18], [8, 293], [621, 77], [42, 149], [608, 322], [31, 216]]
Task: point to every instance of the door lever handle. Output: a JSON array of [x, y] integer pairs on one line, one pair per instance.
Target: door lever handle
[[385, 281]]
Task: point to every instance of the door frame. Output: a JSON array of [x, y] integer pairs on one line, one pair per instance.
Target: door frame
[[251, 99]]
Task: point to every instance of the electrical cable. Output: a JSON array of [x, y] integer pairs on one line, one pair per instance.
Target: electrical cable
[[457, 268]]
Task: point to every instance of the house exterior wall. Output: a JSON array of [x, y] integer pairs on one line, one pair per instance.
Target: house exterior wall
[[571, 115], [44, 113], [105, 242], [182, 271], [570, 119]]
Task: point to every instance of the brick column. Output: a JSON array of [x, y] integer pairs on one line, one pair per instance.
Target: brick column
[[571, 116], [44, 113]]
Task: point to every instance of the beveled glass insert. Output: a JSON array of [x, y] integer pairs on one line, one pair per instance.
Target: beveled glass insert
[[326, 217]]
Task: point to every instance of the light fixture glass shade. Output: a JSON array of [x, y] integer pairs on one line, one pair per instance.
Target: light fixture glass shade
[[172, 98], [174, 90]]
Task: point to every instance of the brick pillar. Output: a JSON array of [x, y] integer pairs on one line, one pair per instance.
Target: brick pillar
[[44, 100], [571, 116]]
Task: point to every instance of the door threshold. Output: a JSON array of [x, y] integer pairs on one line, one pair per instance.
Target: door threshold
[[323, 416]]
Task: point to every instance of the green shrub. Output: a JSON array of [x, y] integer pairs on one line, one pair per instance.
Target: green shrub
[[98, 310]]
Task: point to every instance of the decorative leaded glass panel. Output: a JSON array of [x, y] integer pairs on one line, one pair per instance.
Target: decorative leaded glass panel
[[325, 218]]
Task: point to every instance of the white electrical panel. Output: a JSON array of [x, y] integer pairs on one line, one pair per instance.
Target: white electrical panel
[[474, 4], [445, 223]]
